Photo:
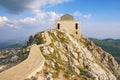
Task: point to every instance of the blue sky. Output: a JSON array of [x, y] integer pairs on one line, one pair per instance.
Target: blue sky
[[21, 18]]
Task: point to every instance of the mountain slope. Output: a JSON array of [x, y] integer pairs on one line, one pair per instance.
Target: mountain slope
[[110, 45], [68, 58], [12, 44]]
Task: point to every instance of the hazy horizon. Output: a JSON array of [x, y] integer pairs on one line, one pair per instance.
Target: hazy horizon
[[99, 19]]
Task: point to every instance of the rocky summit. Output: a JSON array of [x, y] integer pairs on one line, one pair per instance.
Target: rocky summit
[[63, 57], [68, 58]]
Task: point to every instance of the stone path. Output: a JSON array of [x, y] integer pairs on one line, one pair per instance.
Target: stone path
[[48, 40], [28, 67]]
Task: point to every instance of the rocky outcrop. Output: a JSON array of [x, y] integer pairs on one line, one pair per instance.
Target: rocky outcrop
[[14, 58], [104, 57], [68, 58]]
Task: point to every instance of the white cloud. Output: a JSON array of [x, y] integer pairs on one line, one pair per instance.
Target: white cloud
[[36, 4], [44, 17], [79, 14], [3, 20], [28, 20], [43, 20], [51, 17], [40, 18]]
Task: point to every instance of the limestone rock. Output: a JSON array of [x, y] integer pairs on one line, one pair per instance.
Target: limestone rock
[[82, 57], [63, 57], [40, 78], [14, 58], [68, 58], [74, 54]]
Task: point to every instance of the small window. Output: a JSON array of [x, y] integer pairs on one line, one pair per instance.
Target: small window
[[76, 26], [58, 26], [76, 32]]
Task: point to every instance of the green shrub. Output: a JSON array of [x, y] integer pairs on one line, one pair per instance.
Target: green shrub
[[68, 73]]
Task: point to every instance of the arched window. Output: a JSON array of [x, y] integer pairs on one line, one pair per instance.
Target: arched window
[[76, 26], [58, 26]]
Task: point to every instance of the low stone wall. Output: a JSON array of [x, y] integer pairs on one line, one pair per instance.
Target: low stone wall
[[28, 67]]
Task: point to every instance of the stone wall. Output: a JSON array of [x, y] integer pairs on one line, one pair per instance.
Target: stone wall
[[70, 27]]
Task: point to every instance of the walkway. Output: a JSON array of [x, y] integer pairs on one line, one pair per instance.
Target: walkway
[[28, 67]]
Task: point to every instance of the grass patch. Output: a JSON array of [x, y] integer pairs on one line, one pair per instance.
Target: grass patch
[[54, 38], [55, 75], [68, 73], [63, 40]]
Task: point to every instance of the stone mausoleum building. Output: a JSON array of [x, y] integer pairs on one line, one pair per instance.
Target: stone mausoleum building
[[68, 24]]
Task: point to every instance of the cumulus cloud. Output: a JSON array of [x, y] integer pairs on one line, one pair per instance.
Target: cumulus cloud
[[18, 6], [44, 20], [40, 18], [5, 22], [40, 21], [79, 14], [28, 20], [37, 21]]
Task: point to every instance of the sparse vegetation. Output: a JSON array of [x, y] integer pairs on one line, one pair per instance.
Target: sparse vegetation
[[82, 71], [30, 40], [39, 39], [68, 73], [64, 58], [55, 74]]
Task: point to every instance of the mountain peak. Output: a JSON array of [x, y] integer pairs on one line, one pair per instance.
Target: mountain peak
[[55, 54], [67, 57]]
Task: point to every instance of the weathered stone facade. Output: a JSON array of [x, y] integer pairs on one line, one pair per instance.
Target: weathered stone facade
[[70, 25]]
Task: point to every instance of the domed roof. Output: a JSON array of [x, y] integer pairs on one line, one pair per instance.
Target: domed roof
[[66, 17]]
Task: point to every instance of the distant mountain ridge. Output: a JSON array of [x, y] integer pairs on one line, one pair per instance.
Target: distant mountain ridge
[[12, 44], [110, 45], [113, 41]]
